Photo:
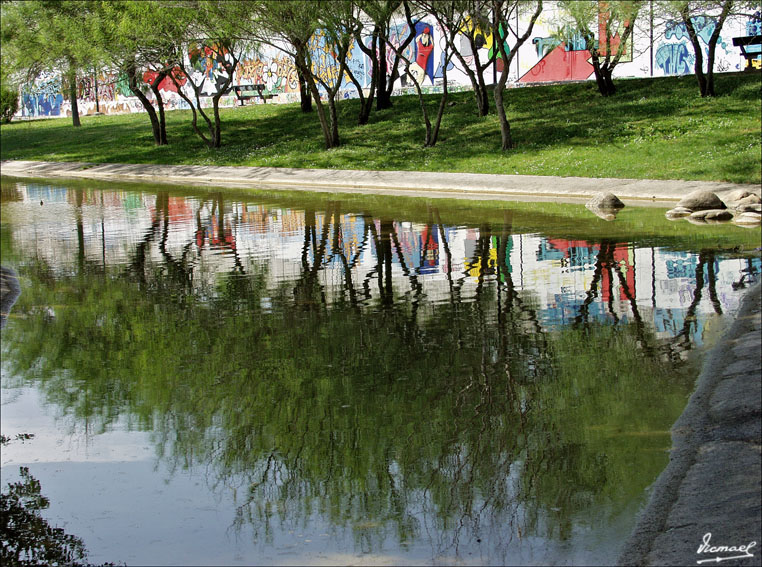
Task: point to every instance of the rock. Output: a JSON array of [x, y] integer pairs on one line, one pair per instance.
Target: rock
[[748, 218], [604, 201], [749, 200], [712, 214], [736, 195], [701, 201], [677, 213], [753, 208]]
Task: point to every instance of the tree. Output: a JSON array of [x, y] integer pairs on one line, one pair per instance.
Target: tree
[[46, 35], [380, 13], [699, 17], [207, 52], [139, 39], [449, 18], [615, 21], [502, 12], [302, 29], [476, 29]]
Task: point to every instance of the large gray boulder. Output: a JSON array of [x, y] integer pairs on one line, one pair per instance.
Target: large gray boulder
[[605, 201], [701, 200]]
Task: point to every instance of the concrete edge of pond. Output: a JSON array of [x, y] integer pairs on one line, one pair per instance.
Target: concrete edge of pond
[[713, 482], [411, 183]]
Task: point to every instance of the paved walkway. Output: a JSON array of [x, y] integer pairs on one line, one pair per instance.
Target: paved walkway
[[411, 183], [713, 483]]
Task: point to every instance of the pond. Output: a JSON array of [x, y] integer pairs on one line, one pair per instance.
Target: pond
[[199, 376]]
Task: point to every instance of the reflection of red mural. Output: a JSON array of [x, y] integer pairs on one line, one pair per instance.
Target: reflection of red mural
[[179, 209], [560, 65], [213, 236], [166, 84], [622, 264]]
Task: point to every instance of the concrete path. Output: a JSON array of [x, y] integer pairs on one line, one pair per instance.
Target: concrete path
[[410, 183], [713, 483]]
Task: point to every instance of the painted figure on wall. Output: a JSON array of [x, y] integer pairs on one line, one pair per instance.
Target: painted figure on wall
[[424, 46]]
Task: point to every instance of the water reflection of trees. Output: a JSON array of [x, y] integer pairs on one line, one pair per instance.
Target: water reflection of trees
[[377, 413]]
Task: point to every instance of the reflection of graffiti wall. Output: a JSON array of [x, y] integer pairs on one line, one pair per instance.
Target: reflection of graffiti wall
[[551, 55]]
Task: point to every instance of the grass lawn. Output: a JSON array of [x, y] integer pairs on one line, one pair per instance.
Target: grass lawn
[[651, 129]]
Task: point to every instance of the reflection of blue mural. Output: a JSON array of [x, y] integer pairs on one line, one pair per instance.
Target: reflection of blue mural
[[566, 308], [46, 193], [682, 267], [672, 322], [577, 253]]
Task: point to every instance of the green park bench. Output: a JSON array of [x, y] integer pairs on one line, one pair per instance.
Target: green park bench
[[245, 92]]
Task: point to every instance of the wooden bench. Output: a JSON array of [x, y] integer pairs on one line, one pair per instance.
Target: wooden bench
[[245, 92], [750, 54]]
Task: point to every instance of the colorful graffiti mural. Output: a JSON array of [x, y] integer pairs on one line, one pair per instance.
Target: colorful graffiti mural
[[44, 98], [554, 55]]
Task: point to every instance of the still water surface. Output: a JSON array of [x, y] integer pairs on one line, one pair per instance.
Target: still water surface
[[241, 380]]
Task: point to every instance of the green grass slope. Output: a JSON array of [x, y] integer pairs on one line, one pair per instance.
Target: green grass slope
[[651, 129]]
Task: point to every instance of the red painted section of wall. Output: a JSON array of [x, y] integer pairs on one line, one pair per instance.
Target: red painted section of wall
[[560, 65], [166, 84]]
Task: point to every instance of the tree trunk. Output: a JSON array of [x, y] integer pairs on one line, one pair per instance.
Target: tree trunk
[[384, 96], [162, 139], [505, 127], [305, 99], [698, 67], [366, 103], [506, 141], [132, 75], [476, 76], [335, 142], [727, 6], [324, 123], [73, 96]]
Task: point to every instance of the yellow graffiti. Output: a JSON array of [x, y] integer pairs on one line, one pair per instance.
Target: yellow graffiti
[[469, 28]]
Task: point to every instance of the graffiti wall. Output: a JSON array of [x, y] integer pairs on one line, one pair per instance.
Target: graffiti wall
[[657, 47]]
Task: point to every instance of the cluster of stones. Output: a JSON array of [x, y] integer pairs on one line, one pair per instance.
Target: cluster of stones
[[700, 207]]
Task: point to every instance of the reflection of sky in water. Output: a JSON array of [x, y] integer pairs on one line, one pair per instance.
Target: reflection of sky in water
[[130, 503]]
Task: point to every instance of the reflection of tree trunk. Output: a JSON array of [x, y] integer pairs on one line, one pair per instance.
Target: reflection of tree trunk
[[448, 254], [337, 250], [385, 262], [592, 293], [706, 258], [307, 287], [80, 232], [712, 283]]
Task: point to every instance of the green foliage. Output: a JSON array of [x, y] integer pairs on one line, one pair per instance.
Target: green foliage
[[9, 103], [652, 129]]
